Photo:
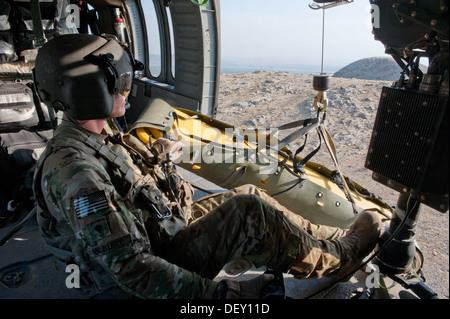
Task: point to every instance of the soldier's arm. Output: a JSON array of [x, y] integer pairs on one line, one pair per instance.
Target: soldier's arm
[[80, 191]]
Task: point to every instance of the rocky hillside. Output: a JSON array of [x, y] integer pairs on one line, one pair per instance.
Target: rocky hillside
[[376, 68], [270, 99]]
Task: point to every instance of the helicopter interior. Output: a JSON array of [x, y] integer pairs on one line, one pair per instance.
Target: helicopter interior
[[413, 112]]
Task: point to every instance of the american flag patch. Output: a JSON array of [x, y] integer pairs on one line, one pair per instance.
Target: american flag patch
[[90, 204]]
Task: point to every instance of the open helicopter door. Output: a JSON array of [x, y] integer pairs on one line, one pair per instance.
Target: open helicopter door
[[178, 41]]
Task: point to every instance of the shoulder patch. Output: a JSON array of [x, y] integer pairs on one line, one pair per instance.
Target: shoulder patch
[[91, 204]]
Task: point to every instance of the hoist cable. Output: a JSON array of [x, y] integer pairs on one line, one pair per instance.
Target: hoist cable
[[323, 40]]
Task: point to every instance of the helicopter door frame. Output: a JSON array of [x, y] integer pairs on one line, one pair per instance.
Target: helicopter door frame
[[196, 40]]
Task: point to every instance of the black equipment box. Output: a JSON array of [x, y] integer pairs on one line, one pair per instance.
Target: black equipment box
[[409, 147]]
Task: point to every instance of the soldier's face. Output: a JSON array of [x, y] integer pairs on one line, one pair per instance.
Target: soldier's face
[[119, 106]]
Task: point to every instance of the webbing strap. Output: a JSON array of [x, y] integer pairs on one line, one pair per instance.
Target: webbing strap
[[295, 124], [309, 125], [37, 24], [299, 166], [74, 138], [332, 150], [111, 156]]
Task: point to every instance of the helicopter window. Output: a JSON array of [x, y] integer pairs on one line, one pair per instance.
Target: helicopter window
[[154, 37]]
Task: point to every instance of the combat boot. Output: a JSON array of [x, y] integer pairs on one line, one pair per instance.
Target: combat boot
[[359, 242], [336, 258]]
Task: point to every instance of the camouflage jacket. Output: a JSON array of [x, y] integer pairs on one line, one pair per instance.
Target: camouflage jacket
[[98, 203]]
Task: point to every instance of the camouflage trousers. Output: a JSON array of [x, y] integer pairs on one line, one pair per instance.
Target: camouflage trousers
[[246, 222]]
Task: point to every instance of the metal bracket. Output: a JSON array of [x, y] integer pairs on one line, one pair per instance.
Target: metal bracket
[[329, 5], [423, 17]]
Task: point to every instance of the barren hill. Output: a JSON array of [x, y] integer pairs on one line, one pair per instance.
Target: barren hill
[[376, 68]]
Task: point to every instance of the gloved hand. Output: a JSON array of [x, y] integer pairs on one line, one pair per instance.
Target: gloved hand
[[163, 147], [248, 289]]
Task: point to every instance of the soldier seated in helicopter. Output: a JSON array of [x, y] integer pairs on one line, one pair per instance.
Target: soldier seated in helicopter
[[110, 205]]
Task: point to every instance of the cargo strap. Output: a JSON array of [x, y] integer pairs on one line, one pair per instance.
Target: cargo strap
[[307, 126], [37, 24], [319, 124], [299, 166], [332, 150]]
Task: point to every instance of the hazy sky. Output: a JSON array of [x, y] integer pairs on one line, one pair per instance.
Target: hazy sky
[[289, 32]]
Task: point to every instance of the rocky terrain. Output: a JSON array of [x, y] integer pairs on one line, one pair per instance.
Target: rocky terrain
[[269, 99]]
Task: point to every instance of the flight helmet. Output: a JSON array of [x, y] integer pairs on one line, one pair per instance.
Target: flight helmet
[[81, 73]]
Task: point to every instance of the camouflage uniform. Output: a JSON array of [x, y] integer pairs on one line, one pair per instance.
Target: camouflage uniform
[[103, 212]]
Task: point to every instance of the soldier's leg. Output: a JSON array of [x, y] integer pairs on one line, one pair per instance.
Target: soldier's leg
[[247, 226], [242, 226], [203, 206]]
